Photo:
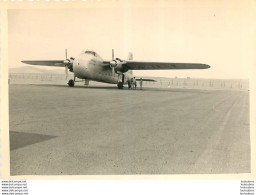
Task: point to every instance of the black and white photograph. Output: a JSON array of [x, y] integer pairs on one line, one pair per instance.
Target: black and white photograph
[[162, 89]]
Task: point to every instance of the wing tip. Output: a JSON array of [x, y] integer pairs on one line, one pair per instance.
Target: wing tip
[[206, 66], [25, 62]]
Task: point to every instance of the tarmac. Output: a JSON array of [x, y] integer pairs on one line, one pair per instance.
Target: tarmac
[[58, 130]]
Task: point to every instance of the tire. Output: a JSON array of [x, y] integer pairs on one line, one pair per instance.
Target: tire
[[71, 83], [120, 85]]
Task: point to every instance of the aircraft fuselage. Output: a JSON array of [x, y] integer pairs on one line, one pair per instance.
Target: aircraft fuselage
[[90, 66]]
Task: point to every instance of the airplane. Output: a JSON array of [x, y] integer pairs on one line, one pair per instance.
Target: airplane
[[90, 66]]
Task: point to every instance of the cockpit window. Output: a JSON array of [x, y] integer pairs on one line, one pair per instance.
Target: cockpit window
[[91, 52]]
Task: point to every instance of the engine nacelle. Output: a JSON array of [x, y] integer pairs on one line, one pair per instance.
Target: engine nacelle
[[119, 68], [118, 65], [69, 63]]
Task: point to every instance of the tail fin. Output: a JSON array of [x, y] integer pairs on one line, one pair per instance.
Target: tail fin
[[130, 56]]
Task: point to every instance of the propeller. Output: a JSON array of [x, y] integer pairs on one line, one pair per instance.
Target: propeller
[[113, 67], [66, 71], [68, 64], [117, 64]]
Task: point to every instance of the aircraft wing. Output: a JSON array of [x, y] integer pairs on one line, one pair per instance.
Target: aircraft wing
[[135, 65], [59, 63]]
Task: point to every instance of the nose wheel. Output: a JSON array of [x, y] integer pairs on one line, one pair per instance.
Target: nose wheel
[[71, 82]]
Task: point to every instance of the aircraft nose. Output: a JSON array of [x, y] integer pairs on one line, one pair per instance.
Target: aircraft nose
[[76, 63], [78, 67]]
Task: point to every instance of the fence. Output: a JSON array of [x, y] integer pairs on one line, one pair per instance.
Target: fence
[[189, 83]]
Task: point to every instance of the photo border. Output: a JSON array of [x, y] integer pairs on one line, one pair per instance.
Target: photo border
[[4, 117]]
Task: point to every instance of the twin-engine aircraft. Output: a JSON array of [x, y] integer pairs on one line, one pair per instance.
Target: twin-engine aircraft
[[90, 66]]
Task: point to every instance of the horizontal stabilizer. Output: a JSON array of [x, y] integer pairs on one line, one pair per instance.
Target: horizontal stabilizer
[[146, 80]]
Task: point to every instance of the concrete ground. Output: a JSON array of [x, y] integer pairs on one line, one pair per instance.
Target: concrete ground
[[57, 130]]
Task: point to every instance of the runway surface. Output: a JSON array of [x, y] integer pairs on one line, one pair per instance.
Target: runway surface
[[57, 130]]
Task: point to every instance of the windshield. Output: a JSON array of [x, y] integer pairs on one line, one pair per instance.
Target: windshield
[[91, 52]]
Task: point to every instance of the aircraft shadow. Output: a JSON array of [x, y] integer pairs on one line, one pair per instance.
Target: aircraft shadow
[[21, 139]]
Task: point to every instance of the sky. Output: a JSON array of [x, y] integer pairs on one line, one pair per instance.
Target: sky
[[221, 35]]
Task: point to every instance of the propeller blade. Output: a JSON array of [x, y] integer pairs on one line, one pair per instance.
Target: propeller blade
[[113, 71], [66, 53], [66, 70], [113, 56]]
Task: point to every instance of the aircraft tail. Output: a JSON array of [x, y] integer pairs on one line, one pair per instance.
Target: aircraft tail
[[130, 56]]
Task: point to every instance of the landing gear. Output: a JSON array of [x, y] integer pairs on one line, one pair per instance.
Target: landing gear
[[86, 82], [71, 83], [120, 85]]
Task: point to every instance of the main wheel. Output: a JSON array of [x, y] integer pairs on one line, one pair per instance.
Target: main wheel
[[71, 83], [120, 85]]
